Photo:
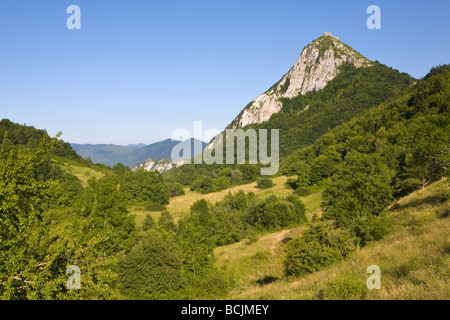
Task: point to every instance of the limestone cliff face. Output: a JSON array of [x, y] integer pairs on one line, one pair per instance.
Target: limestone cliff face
[[161, 165], [318, 64]]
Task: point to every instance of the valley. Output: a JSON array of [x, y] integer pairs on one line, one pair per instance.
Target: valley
[[363, 181]]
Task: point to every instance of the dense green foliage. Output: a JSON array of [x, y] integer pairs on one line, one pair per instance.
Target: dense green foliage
[[102, 209], [358, 194], [210, 178], [36, 183], [51, 219], [264, 183], [30, 137], [318, 247], [349, 94], [389, 151], [302, 120], [145, 186], [410, 138], [153, 268], [33, 260], [274, 213]]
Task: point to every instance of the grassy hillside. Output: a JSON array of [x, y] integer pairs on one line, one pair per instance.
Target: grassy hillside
[[178, 206], [83, 173], [414, 259]]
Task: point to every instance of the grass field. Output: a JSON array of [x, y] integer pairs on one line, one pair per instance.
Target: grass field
[[414, 259], [81, 172], [178, 206]]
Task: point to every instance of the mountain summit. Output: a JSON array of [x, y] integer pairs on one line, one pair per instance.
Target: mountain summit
[[318, 64]]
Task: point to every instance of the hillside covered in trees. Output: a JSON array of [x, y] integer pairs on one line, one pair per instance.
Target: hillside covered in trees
[[303, 119], [59, 210]]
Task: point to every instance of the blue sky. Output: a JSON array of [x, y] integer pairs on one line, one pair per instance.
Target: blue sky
[[137, 70]]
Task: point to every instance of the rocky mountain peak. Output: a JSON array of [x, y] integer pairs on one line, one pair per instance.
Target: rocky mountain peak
[[318, 64]]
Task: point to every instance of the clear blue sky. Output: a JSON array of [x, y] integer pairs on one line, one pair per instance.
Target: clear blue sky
[[137, 70]]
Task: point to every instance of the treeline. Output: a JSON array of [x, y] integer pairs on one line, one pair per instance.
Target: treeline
[[176, 261], [390, 151], [164, 260], [29, 137], [205, 178], [50, 220]]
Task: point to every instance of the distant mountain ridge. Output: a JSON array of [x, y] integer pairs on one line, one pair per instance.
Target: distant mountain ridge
[[130, 155]]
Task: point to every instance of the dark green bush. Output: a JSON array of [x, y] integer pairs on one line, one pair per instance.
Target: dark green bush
[[175, 189], [264, 183], [274, 213], [302, 191], [319, 246], [347, 287], [155, 207], [153, 268], [148, 223]]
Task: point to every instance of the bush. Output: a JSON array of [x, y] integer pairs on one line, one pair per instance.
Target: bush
[[228, 226], [145, 186], [252, 236], [302, 191], [344, 288], [221, 183], [175, 189], [166, 222], [291, 183], [155, 207], [153, 268], [274, 213], [148, 223], [264, 183], [318, 247]]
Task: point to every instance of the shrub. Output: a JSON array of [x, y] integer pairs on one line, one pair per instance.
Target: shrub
[[145, 186], [166, 221], [175, 189], [291, 183], [228, 226], [273, 213], [318, 247], [302, 191], [348, 287], [264, 183], [148, 223], [153, 268], [252, 236], [155, 207], [221, 183]]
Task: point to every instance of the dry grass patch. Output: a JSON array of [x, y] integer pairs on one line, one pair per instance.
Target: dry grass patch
[[181, 204], [255, 264], [414, 258], [82, 173]]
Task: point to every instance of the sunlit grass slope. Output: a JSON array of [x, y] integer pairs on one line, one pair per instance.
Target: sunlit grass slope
[[414, 259]]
